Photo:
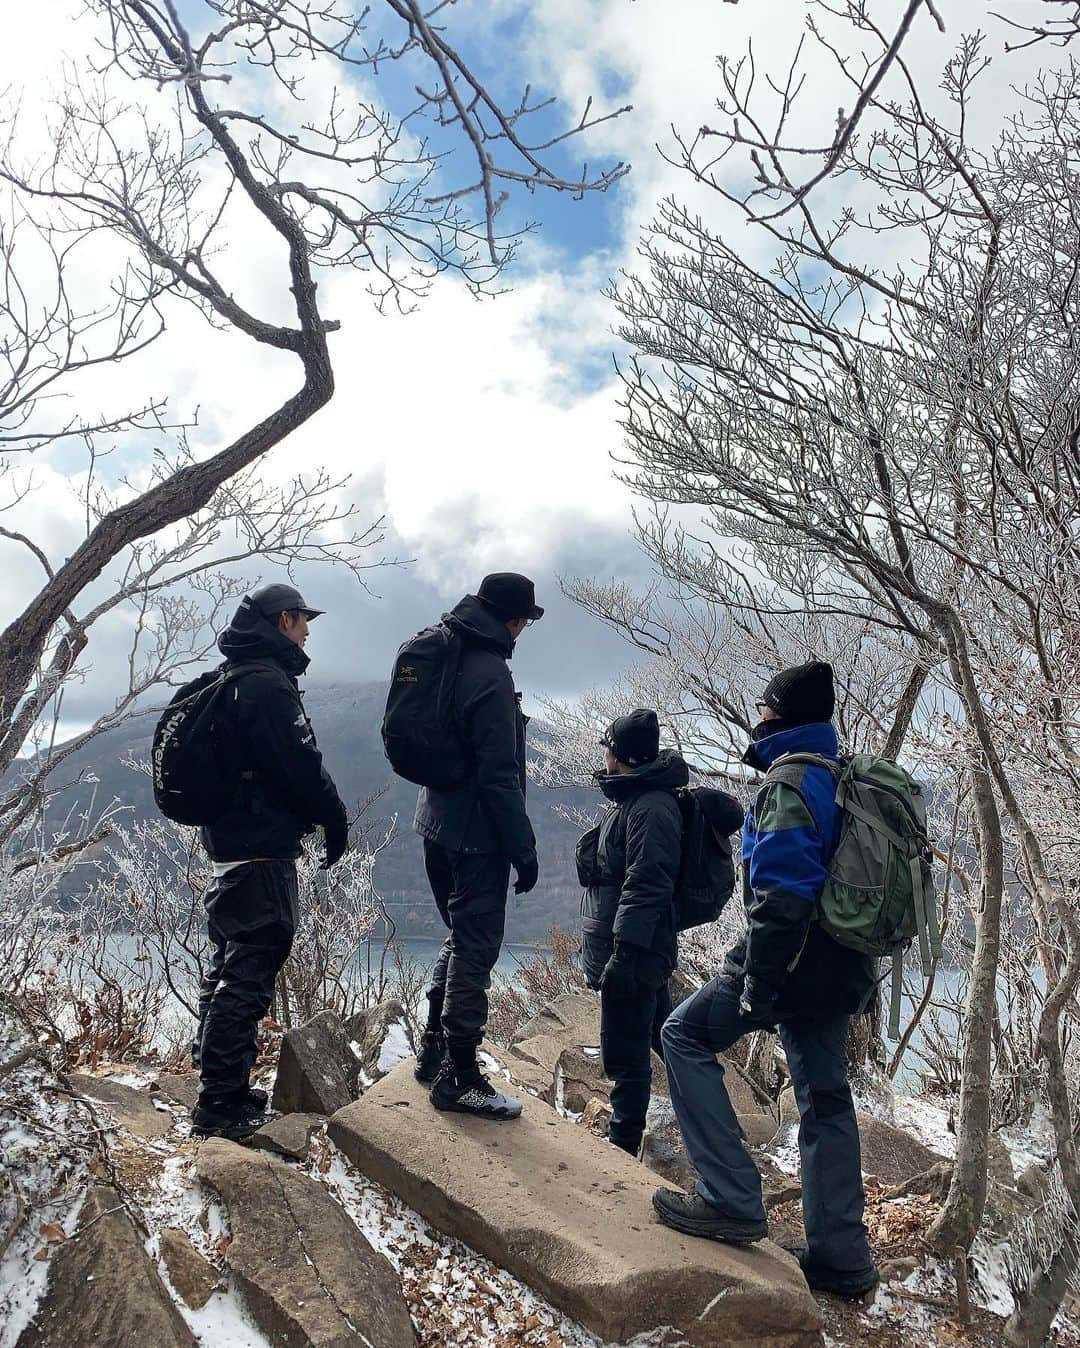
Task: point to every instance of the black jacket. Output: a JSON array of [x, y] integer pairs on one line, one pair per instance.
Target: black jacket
[[283, 791], [486, 813], [629, 899]]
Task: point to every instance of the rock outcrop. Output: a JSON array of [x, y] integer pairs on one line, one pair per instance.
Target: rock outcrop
[[572, 1217], [103, 1290], [288, 1136], [310, 1279], [182, 1088], [194, 1277], [130, 1106], [317, 1070], [381, 1038]]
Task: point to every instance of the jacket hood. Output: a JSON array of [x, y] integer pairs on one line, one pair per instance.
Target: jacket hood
[[817, 738], [476, 622], [666, 772], [251, 636]]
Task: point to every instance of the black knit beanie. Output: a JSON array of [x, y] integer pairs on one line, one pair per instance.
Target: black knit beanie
[[803, 694], [634, 739]]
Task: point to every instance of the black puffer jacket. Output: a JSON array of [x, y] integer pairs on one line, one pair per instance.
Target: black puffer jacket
[[283, 790], [486, 813], [630, 881]]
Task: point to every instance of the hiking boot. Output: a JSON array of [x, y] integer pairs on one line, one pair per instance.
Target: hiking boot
[[234, 1122], [258, 1099], [429, 1058], [468, 1091], [851, 1284], [695, 1216]]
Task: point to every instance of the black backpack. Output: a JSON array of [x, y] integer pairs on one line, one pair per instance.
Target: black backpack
[[706, 872], [190, 783], [421, 730]]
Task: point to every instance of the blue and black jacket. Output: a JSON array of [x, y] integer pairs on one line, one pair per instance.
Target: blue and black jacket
[[789, 836]]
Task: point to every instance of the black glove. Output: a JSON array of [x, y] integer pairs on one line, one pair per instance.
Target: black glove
[[337, 842], [619, 978], [528, 872], [757, 1001]]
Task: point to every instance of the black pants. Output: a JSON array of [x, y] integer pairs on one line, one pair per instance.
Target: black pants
[[251, 915], [629, 1032], [470, 893]]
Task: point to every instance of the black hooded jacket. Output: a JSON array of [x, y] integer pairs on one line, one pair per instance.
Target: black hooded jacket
[[486, 812], [629, 899], [282, 789]]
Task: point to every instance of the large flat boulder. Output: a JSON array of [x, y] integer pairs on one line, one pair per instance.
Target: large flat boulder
[[309, 1277], [131, 1107], [573, 1218], [888, 1153], [103, 1290], [317, 1070]]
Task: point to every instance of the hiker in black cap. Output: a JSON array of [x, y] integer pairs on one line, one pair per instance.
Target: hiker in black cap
[[473, 833], [629, 865], [282, 793], [786, 974]]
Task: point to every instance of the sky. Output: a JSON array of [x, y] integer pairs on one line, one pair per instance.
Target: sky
[[482, 431]]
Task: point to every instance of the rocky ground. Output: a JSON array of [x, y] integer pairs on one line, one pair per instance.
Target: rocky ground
[[117, 1228]]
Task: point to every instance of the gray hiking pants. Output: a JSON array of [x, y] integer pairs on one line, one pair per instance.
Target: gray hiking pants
[[708, 1023]]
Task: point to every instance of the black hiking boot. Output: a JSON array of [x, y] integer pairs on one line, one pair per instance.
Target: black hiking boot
[[231, 1121], [468, 1091], [850, 1284], [258, 1099], [693, 1215], [429, 1058]]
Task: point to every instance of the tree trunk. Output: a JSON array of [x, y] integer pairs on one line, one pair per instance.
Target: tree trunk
[[1037, 1308], [962, 1211]]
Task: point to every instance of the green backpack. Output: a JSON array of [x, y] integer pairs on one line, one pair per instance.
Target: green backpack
[[880, 892]]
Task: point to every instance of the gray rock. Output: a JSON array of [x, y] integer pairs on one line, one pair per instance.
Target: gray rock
[[193, 1276], [662, 1147], [382, 1036], [890, 1154], [317, 1070], [579, 1078], [289, 1135], [573, 1218], [131, 1107], [103, 1291], [182, 1088], [308, 1276], [681, 986]]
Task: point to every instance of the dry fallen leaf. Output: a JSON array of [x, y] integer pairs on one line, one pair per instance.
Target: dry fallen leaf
[[43, 1253], [53, 1231]]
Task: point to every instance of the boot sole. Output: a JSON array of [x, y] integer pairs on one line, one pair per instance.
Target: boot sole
[[844, 1294], [452, 1107], [231, 1133], [709, 1228]]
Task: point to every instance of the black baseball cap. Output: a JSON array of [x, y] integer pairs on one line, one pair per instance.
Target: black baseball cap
[[510, 596], [271, 600], [634, 739]]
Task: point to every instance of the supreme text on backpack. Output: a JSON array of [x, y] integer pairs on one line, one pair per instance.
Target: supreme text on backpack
[[879, 895], [421, 730], [190, 785], [706, 871]]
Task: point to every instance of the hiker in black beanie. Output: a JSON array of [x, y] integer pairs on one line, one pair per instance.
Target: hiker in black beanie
[[629, 866], [785, 974]]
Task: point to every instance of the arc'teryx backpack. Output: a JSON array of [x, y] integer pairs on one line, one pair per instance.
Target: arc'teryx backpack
[[190, 783], [421, 732], [706, 871], [879, 895]]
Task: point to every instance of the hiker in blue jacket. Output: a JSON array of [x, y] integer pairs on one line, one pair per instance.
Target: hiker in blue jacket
[[784, 974]]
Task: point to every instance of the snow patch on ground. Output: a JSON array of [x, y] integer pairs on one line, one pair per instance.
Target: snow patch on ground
[[925, 1121], [784, 1149], [395, 1047], [1030, 1143]]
